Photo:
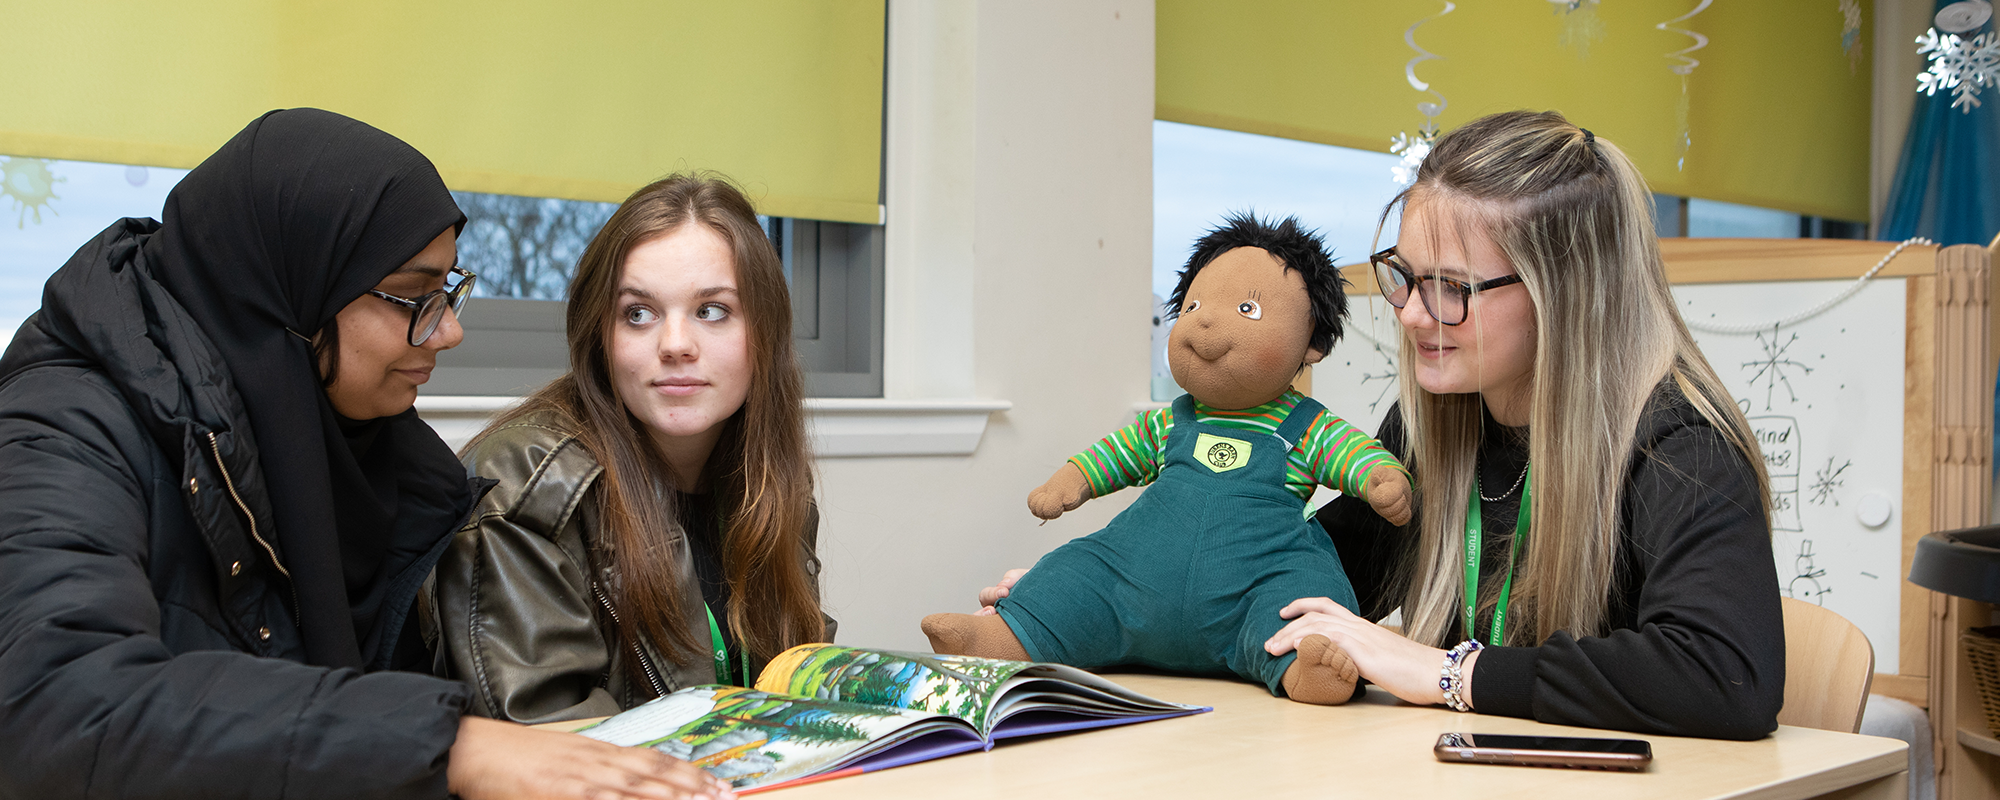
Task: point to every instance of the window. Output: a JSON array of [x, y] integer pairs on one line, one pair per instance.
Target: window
[[835, 271], [530, 246], [524, 249], [1695, 217], [55, 207]]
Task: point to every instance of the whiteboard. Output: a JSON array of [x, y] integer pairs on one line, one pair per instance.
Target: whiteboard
[[1825, 397]]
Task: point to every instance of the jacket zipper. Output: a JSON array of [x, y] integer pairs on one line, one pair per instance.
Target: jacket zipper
[[230, 484], [645, 665]]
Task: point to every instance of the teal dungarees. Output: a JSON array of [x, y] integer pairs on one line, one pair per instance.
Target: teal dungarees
[[1190, 578]]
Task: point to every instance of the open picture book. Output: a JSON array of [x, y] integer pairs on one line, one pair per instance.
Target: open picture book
[[823, 711]]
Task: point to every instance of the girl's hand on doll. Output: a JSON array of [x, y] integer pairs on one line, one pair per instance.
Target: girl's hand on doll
[[992, 594], [1404, 668]]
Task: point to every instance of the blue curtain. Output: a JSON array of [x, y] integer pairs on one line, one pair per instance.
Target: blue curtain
[[1947, 184]]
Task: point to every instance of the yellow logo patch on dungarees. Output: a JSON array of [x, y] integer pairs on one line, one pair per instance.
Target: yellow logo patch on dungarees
[[1221, 453]]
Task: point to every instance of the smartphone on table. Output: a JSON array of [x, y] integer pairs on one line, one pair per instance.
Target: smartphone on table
[[1577, 752]]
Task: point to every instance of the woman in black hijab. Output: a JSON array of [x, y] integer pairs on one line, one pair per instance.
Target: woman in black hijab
[[217, 503]]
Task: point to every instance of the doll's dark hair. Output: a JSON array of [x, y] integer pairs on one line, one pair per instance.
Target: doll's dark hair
[[1302, 251]]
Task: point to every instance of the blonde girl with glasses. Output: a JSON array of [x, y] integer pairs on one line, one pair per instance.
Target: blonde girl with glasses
[[1592, 544]]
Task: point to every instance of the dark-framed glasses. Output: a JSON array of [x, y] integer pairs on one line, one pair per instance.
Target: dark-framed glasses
[[427, 311], [1445, 298]]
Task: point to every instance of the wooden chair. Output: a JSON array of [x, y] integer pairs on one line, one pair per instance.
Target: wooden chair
[[1828, 667]]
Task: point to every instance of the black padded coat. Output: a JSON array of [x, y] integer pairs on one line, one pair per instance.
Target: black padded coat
[[147, 642]]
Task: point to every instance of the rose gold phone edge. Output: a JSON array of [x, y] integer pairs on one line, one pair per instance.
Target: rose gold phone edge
[[1573, 759]]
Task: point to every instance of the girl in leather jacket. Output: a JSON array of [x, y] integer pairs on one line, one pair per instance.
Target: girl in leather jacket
[[653, 526]]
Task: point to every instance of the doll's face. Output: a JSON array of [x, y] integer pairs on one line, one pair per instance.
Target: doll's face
[[1243, 330]]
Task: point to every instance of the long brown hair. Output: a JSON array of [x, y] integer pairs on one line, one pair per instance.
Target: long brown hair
[[1574, 218], [760, 470]]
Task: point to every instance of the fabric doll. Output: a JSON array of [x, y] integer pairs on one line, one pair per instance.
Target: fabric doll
[[1191, 577]]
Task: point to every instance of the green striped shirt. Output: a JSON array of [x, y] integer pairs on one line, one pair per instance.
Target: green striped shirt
[[1332, 453]]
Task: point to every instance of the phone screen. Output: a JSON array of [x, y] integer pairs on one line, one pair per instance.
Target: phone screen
[[1572, 744]]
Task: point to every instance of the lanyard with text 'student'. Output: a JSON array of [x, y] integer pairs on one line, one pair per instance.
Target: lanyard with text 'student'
[[1472, 553]]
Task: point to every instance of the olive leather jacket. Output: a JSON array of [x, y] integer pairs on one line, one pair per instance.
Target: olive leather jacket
[[520, 611]]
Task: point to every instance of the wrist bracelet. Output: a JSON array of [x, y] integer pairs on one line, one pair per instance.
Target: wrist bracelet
[[1451, 678]]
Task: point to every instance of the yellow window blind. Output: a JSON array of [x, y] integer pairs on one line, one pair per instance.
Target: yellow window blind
[[581, 100], [1777, 114]]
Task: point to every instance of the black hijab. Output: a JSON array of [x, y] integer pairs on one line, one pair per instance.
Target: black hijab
[[263, 244]]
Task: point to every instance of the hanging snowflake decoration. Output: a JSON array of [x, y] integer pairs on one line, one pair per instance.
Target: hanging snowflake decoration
[[1581, 26], [1413, 149], [1685, 139], [1960, 65]]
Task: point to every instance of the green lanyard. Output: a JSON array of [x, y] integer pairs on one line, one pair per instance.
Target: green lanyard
[[722, 672], [1472, 552]]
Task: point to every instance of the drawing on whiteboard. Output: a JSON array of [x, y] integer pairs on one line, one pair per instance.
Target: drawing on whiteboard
[[1780, 441], [1772, 369], [1826, 480], [1805, 583], [1387, 376], [1807, 424]]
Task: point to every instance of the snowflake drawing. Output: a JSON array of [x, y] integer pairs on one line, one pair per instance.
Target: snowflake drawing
[[1412, 149], [1826, 480], [1387, 376], [1960, 65], [1774, 369]]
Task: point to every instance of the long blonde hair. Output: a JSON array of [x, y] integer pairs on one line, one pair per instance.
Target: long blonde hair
[[761, 469], [1574, 218]]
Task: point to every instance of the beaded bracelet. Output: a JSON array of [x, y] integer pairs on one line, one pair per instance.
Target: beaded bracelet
[[1451, 678]]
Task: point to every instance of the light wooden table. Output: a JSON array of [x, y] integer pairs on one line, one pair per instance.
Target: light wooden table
[[1255, 745]]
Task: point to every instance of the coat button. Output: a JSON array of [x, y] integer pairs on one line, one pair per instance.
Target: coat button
[[193, 486], [263, 634], [235, 568]]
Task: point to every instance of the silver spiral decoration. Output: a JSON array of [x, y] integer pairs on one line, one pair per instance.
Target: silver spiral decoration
[[1688, 63], [1429, 110]]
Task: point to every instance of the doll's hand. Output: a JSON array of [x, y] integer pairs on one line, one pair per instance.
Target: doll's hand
[[1064, 491], [1406, 669], [992, 594], [1388, 491]]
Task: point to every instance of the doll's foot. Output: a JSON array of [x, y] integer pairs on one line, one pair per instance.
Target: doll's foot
[[1323, 674], [968, 635]]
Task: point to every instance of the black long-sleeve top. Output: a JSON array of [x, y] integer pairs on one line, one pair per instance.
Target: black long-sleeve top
[[1695, 643]]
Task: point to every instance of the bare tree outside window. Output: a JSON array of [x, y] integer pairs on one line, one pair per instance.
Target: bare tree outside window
[[525, 250], [526, 247]]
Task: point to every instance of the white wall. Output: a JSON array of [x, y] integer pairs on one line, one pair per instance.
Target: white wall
[[1020, 222]]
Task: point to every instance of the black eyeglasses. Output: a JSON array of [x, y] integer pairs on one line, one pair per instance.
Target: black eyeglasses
[[427, 311], [1445, 298]]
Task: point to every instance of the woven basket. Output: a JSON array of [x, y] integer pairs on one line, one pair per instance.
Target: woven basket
[[1984, 653]]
